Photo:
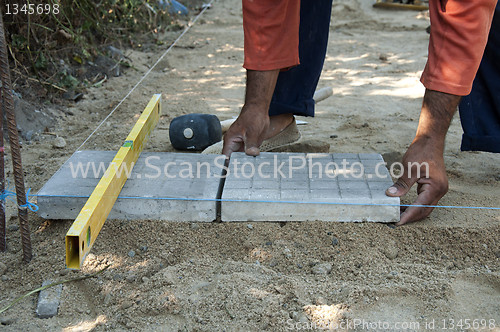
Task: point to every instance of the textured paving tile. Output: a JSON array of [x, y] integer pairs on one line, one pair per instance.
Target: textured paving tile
[[154, 177], [296, 187]]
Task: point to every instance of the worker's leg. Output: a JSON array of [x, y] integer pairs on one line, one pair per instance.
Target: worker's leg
[[295, 87], [480, 110]]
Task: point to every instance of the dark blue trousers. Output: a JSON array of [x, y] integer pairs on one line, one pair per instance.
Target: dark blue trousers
[[480, 110], [296, 86]]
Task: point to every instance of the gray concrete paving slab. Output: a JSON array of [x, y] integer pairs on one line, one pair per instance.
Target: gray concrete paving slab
[[156, 179], [302, 187]]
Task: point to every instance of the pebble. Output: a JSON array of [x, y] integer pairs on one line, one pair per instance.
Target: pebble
[[144, 248], [273, 263], [29, 135], [13, 228], [3, 268], [48, 300], [195, 225], [269, 243], [497, 254], [7, 321], [127, 304], [335, 241], [130, 278], [107, 299], [59, 142], [117, 277], [131, 253], [63, 272], [4, 278], [250, 226], [391, 252], [320, 301], [324, 268]]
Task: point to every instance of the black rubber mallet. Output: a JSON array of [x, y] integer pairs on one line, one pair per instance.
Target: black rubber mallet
[[195, 131]]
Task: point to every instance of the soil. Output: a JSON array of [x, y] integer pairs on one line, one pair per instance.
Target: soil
[[270, 276]]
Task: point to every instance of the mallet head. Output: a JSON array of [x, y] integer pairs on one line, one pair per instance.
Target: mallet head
[[194, 131]]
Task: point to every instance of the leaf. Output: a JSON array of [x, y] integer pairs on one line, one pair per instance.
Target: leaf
[[69, 81], [78, 59], [41, 62], [18, 41]]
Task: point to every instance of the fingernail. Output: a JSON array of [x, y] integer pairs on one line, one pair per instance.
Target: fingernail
[[392, 190]]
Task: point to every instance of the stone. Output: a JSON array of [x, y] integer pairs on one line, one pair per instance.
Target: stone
[[320, 301], [107, 299], [250, 226], [391, 252], [127, 304], [48, 300], [59, 142], [324, 268], [335, 241], [13, 228], [3, 268], [152, 192], [117, 277], [28, 135], [131, 253], [497, 254], [4, 278], [7, 320], [131, 278], [308, 187]]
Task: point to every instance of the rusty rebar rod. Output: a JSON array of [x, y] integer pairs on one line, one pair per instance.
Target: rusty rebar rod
[[15, 148], [3, 238]]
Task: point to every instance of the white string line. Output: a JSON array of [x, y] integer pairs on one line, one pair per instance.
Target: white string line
[[276, 201], [147, 73]]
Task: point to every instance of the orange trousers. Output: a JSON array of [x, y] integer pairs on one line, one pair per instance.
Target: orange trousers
[[271, 29], [459, 32]]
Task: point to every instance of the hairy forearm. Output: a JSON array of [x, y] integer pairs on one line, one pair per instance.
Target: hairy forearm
[[437, 112], [260, 89]]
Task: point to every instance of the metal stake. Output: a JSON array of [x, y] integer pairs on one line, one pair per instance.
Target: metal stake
[[14, 146]]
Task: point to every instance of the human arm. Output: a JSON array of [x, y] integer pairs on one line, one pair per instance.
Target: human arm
[[424, 157], [249, 131]]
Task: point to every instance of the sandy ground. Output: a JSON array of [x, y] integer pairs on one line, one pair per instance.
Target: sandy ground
[[271, 276]]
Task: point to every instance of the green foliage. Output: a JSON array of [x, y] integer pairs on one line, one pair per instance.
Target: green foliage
[[78, 27], [68, 81], [41, 62]]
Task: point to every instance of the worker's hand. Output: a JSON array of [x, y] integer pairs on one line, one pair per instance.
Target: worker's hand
[[248, 132], [431, 187]]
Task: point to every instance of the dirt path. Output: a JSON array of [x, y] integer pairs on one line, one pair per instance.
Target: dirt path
[[271, 276]]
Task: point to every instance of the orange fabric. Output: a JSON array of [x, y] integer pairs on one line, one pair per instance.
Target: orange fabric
[[271, 30], [459, 32]]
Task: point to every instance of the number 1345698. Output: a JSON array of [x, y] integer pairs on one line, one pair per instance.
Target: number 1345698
[[32, 9]]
